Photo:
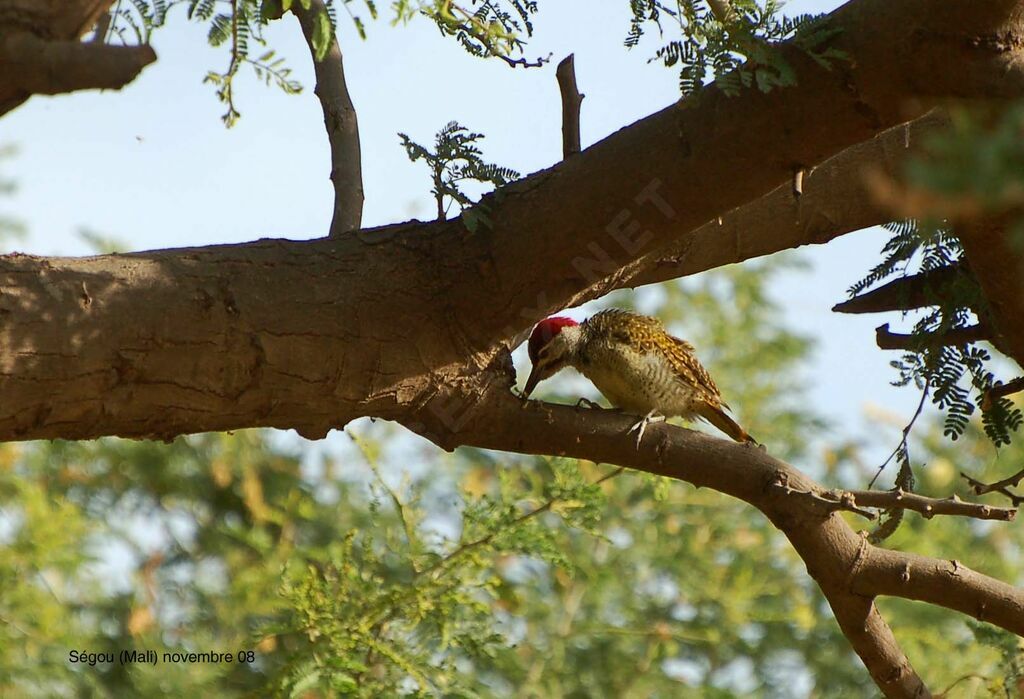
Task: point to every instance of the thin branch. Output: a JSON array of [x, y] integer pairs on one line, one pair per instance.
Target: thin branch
[[972, 676], [339, 120], [571, 99], [827, 501], [513, 62], [906, 293], [899, 499], [102, 27], [929, 507], [1002, 487], [903, 439], [407, 525], [887, 340]]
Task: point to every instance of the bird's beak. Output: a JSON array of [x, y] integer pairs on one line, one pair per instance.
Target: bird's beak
[[532, 381]]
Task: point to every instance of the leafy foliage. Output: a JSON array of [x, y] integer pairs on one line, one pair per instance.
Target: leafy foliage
[[1010, 680], [733, 42], [456, 160], [238, 25], [488, 28], [382, 616], [951, 373]]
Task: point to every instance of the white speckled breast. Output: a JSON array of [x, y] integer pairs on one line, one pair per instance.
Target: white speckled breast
[[634, 381]]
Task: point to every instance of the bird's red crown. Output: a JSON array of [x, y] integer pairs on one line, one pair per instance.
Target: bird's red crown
[[544, 332]]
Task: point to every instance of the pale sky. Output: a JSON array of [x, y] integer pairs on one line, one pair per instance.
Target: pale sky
[[153, 165]]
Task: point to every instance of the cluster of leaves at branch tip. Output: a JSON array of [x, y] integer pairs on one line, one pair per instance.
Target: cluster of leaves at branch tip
[[489, 29], [736, 50], [455, 161]]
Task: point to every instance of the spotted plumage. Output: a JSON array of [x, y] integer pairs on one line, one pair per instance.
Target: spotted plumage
[[635, 363]]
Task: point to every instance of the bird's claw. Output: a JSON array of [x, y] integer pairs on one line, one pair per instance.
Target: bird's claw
[[588, 403], [641, 426]]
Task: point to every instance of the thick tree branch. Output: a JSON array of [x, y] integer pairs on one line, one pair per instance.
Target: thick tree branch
[[948, 584], [906, 293], [848, 568], [339, 120], [835, 200], [998, 264], [40, 52], [571, 100], [43, 67], [382, 321]]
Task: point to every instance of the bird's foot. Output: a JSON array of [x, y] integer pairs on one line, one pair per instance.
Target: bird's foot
[[586, 402], [641, 426]]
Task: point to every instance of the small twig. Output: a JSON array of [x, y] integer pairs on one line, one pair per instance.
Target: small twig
[[972, 676], [958, 336], [856, 500], [929, 507], [407, 526], [830, 501], [1001, 391], [798, 182], [99, 35], [513, 62], [1002, 487], [571, 99], [906, 434]]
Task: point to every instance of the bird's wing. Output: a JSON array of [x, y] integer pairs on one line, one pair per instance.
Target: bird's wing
[[683, 359], [647, 334]]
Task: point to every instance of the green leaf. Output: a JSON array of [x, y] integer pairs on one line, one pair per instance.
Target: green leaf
[[323, 34]]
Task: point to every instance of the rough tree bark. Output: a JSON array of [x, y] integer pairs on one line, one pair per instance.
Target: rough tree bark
[[996, 259], [411, 322]]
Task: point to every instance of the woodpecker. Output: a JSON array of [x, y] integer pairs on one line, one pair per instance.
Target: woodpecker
[[636, 365]]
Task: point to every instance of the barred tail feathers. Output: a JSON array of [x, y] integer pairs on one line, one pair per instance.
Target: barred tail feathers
[[718, 417]]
